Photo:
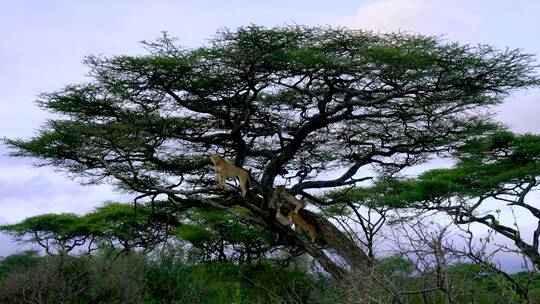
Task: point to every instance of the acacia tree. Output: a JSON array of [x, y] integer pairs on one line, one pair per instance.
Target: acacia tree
[[55, 233], [217, 235], [129, 227], [293, 105], [501, 168], [116, 225]]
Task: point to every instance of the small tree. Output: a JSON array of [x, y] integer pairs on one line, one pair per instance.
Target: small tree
[[56, 233], [129, 227], [114, 224], [217, 235], [503, 167], [357, 211]]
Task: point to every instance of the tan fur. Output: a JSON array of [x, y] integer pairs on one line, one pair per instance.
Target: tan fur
[[298, 204], [281, 218], [301, 224], [225, 169]]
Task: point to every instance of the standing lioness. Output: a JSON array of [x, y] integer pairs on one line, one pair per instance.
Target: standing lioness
[[224, 169]]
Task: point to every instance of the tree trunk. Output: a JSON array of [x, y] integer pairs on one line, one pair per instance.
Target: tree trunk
[[347, 249]]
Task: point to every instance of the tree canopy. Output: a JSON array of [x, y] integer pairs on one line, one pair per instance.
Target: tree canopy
[[307, 107]]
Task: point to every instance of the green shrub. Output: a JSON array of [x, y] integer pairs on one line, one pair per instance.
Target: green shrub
[[18, 262], [110, 277]]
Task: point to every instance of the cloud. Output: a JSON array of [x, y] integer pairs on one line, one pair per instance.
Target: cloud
[[428, 17], [9, 247], [520, 112], [28, 191], [469, 22]]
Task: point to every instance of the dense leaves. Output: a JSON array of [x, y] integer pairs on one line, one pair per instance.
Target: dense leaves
[[283, 97], [218, 235], [27, 277], [165, 279]]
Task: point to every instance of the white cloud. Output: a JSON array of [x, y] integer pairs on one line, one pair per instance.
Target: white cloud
[[468, 22], [428, 17], [520, 112], [28, 191]]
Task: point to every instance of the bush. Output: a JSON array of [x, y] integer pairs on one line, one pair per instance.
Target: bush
[[75, 280], [112, 278], [18, 262]]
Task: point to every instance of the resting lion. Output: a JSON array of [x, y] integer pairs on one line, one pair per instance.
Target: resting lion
[[301, 224], [298, 203]]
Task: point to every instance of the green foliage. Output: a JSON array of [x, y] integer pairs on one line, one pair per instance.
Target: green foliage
[[386, 192], [194, 233], [18, 262], [62, 232], [125, 223], [64, 224], [216, 234], [163, 279], [395, 266], [336, 210], [485, 166], [166, 278], [115, 224]]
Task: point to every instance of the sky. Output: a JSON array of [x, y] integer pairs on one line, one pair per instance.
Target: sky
[[43, 43]]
